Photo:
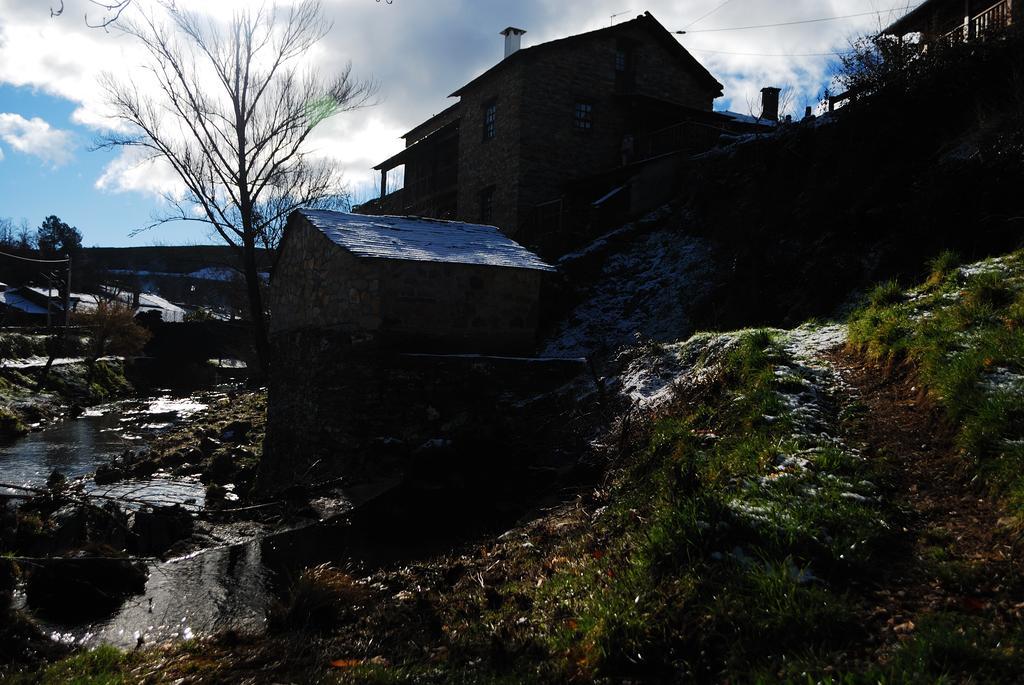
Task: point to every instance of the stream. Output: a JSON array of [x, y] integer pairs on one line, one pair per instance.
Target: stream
[[230, 586], [75, 447]]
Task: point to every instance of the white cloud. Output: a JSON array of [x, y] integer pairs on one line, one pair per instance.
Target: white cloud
[[36, 137], [421, 51], [133, 170]]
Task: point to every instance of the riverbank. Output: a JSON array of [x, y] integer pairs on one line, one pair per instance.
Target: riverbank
[[71, 384], [93, 535]]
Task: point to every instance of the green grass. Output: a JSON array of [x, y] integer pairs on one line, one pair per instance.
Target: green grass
[[103, 665], [960, 333], [704, 565], [942, 267], [11, 424]]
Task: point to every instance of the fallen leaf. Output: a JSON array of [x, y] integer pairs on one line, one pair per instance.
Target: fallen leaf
[[904, 627], [973, 603], [346, 663]]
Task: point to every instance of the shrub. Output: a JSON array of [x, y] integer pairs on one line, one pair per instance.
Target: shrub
[[113, 330], [886, 293], [321, 598], [987, 289], [942, 266]]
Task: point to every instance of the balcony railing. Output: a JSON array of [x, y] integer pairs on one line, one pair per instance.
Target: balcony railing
[[996, 18]]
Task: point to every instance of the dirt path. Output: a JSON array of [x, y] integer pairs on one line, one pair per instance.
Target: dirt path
[[957, 556]]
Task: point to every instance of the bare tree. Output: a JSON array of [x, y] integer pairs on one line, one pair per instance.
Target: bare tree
[[233, 112], [111, 11]]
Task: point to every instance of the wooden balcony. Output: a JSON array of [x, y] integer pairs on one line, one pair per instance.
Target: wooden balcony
[[989, 22]]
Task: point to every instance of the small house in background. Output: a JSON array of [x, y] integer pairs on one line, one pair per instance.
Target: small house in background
[[406, 283], [35, 306]]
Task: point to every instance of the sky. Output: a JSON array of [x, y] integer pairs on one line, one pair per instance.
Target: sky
[[418, 51]]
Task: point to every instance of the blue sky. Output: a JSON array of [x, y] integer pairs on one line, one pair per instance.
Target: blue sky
[[33, 188], [418, 50]]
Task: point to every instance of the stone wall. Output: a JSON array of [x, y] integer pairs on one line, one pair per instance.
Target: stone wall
[[553, 149], [494, 162], [316, 283], [349, 410], [459, 307], [410, 305]]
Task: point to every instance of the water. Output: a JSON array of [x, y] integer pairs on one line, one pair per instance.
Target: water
[[77, 446], [232, 586]]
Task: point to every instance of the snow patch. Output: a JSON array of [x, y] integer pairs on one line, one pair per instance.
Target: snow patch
[[646, 289]]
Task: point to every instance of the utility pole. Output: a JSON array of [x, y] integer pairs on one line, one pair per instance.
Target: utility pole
[[67, 296]]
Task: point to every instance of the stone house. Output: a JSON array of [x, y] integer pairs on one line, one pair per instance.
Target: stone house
[[523, 134], [406, 283], [394, 342]]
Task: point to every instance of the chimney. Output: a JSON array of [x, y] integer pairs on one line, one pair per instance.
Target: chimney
[[513, 36], [770, 103]]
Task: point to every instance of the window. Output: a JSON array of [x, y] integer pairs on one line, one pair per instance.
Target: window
[[584, 116], [621, 59], [490, 120], [487, 205], [625, 66]]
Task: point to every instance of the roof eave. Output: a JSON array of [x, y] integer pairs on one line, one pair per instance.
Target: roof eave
[[900, 26]]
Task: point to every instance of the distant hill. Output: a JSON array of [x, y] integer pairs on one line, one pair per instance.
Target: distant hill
[[176, 259]]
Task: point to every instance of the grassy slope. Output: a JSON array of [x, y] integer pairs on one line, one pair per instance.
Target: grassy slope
[[964, 330], [735, 540]]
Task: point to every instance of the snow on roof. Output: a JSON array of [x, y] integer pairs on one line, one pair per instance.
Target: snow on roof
[[422, 240], [169, 311], [13, 300], [748, 118]]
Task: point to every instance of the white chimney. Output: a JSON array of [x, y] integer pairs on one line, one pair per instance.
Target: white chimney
[[513, 36]]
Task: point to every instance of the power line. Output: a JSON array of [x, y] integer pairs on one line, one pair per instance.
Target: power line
[[793, 23], [771, 54], [37, 261], [707, 14]]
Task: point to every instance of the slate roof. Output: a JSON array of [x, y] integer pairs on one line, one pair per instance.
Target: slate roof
[[418, 239], [645, 20]]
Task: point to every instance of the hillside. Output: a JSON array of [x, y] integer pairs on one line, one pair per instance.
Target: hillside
[[809, 464], [805, 505], [165, 259]]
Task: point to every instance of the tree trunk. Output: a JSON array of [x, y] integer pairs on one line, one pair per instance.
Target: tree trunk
[[259, 319]]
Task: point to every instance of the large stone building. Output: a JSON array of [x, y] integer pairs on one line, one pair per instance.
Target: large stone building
[[525, 134], [406, 283]]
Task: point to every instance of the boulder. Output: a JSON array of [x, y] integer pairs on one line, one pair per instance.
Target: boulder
[[77, 525], [158, 528], [208, 446], [108, 473], [236, 431], [221, 467], [84, 585]]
